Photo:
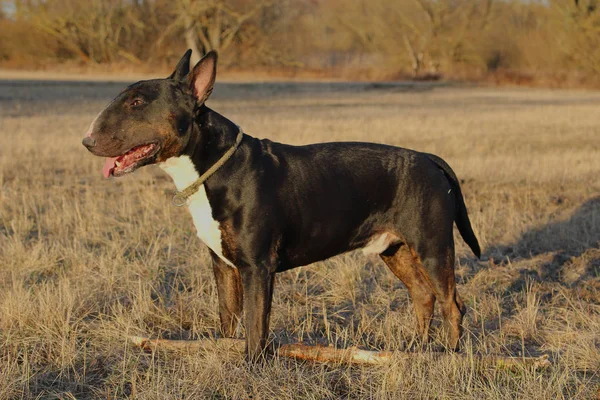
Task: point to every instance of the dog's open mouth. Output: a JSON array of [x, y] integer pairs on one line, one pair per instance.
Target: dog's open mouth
[[128, 162]]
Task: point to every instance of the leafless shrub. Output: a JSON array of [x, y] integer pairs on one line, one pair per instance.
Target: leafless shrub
[[514, 41]]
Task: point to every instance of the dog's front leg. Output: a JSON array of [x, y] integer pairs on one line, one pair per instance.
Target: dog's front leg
[[258, 293], [229, 288]]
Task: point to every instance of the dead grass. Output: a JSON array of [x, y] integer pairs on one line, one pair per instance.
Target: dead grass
[[84, 262]]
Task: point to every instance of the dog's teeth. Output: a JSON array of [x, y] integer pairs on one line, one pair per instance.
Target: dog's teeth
[[118, 163]]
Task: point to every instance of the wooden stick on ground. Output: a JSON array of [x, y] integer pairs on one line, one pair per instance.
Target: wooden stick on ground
[[352, 355]]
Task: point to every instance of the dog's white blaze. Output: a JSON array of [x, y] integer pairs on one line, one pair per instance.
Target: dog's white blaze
[[183, 172], [91, 128], [378, 244]]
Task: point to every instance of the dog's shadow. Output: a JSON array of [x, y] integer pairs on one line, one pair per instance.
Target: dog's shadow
[[565, 251]]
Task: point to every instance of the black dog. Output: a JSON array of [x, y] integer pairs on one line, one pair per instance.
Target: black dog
[[265, 207]]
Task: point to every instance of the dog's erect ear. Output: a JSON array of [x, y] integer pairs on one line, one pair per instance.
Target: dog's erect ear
[[202, 78], [183, 67]]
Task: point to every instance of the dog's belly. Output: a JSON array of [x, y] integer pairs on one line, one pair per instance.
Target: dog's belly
[[182, 170]]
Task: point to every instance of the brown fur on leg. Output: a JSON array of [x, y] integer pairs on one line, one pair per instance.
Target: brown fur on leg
[[440, 273], [230, 291], [404, 265]]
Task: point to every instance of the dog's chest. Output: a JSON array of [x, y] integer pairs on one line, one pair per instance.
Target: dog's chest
[[183, 172]]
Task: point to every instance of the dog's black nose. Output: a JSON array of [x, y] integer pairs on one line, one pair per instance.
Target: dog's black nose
[[88, 142]]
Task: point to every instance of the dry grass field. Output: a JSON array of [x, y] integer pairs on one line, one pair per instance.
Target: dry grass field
[[85, 262]]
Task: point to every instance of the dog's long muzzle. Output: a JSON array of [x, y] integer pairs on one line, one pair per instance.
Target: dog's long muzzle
[[88, 142]]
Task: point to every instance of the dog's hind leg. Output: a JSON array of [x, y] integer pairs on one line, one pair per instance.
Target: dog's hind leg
[[436, 261], [402, 262], [230, 291]]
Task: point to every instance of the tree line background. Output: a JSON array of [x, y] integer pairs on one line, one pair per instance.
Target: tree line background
[[549, 41]]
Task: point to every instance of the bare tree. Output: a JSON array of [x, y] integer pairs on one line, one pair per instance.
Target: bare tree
[[213, 24], [94, 30], [578, 36], [424, 35]]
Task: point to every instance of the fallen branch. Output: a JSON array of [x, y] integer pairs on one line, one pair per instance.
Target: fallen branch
[[352, 355], [237, 345]]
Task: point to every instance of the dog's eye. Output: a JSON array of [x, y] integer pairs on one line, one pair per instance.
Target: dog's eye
[[137, 102]]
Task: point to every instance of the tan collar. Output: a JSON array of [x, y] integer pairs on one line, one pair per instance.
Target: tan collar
[[181, 197]]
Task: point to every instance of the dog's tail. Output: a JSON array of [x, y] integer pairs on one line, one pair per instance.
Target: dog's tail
[[461, 217]]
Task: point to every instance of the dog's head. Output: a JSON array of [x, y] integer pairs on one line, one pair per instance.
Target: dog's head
[[151, 121]]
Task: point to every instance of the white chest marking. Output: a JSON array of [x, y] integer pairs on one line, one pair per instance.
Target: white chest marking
[[183, 172], [378, 244]]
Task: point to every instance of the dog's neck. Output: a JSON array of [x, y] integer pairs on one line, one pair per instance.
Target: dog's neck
[[212, 135]]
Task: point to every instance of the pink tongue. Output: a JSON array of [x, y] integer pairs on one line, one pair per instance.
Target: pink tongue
[[109, 165]]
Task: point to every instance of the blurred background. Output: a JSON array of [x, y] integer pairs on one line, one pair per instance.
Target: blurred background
[[530, 42]]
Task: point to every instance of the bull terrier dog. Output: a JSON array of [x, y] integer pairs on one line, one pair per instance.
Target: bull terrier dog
[[264, 207]]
